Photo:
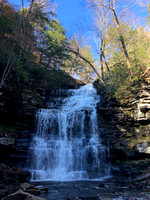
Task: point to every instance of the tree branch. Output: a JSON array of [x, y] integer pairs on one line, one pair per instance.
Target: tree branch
[[83, 58]]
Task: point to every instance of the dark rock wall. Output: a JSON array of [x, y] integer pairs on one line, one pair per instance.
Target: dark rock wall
[[18, 105], [126, 125], [125, 128]]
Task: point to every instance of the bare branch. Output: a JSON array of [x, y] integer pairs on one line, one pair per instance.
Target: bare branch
[[83, 58]]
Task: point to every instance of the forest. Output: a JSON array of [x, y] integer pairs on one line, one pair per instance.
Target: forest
[[34, 41]]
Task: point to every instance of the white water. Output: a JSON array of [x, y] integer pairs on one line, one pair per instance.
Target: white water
[[67, 145]]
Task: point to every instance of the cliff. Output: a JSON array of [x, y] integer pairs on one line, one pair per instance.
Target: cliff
[[19, 102], [125, 127]]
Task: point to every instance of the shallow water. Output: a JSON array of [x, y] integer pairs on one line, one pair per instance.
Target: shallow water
[[92, 190]]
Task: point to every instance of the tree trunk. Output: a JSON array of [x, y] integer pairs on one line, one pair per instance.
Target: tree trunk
[[109, 38], [103, 56], [106, 65], [101, 59], [78, 54], [123, 43]]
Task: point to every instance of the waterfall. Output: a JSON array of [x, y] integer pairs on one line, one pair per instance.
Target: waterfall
[[67, 144]]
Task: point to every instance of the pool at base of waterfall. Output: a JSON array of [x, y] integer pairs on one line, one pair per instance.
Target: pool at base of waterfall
[[70, 176], [92, 190]]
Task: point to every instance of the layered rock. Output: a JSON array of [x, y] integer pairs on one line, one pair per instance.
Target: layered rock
[[125, 128], [126, 125], [19, 102]]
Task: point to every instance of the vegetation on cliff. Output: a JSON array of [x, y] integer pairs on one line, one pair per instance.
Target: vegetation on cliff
[[124, 46], [34, 46], [32, 43]]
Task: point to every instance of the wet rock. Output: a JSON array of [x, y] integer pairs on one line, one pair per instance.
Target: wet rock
[[33, 191], [25, 186], [127, 128], [13, 175], [141, 105], [20, 195], [7, 141], [10, 179], [43, 189]]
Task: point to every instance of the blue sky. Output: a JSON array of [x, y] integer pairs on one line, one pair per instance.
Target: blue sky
[[70, 12], [74, 16]]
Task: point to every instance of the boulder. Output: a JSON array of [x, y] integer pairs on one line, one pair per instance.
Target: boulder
[[13, 175], [143, 147], [32, 189], [26, 185]]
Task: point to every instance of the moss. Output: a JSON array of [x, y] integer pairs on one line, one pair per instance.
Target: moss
[[128, 113]]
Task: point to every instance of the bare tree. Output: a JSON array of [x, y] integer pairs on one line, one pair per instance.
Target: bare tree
[[110, 5], [112, 8], [7, 70], [81, 41]]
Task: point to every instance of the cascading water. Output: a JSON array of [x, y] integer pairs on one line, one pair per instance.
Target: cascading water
[[67, 145]]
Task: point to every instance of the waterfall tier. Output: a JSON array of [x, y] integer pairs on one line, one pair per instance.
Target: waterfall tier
[[67, 145]]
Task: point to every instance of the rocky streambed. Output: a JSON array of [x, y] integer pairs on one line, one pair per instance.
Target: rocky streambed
[[96, 190], [110, 189]]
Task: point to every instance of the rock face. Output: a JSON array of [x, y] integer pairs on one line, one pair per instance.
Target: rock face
[[18, 106], [140, 107], [126, 126], [11, 178], [13, 175], [19, 102]]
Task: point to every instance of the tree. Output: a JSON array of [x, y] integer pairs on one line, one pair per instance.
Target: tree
[[82, 54], [110, 6], [30, 35], [9, 36], [52, 47]]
